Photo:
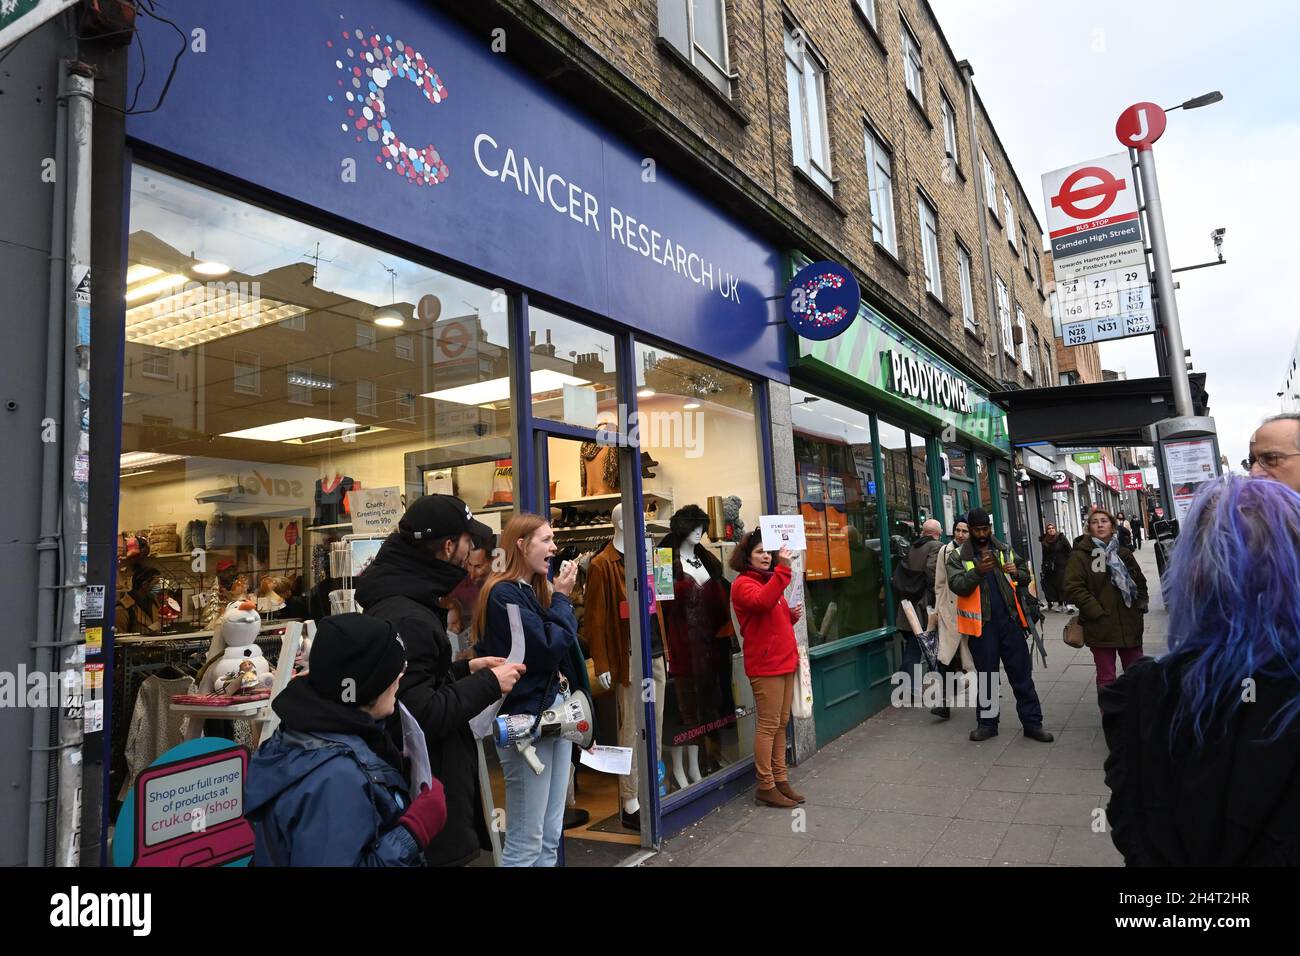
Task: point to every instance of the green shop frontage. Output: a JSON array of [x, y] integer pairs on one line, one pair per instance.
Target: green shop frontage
[[886, 434]]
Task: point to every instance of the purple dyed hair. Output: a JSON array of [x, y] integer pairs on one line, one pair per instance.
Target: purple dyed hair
[[1233, 593]]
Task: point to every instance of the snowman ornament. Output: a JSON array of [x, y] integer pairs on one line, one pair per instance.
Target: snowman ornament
[[235, 640]]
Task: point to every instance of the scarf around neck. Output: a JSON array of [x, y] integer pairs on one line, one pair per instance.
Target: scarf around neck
[[1119, 575]]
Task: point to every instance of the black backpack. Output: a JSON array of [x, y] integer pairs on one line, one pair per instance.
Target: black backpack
[[909, 583]]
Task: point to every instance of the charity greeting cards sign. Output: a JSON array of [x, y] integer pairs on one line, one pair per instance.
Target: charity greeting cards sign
[[783, 531], [375, 510]]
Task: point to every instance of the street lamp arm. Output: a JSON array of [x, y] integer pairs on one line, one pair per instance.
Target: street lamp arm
[[1203, 265]]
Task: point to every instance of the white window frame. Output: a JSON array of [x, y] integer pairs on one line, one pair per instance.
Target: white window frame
[[1038, 270], [1009, 211], [990, 184], [880, 190], [405, 406], [868, 8], [695, 51], [152, 355], [929, 233], [1026, 360], [965, 279], [254, 385], [818, 167], [404, 344], [367, 336], [913, 65], [1004, 317], [369, 409], [948, 115], [299, 394]]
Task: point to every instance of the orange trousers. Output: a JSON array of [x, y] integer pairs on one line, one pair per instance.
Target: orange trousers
[[773, 697]]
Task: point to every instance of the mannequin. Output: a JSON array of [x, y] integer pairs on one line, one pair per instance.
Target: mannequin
[[697, 656], [606, 626]]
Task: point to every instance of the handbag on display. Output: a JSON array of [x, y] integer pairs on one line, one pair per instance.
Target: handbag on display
[[1073, 634]]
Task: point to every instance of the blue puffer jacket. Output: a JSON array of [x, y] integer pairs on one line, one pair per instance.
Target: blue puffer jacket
[[326, 799], [550, 646]]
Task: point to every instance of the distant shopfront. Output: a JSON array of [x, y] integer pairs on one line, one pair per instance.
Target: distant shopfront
[[887, 434]]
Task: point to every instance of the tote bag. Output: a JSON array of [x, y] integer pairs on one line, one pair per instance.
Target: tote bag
[[802, 704]]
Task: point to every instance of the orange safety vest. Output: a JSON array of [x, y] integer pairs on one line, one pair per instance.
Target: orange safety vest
[[970, 611]]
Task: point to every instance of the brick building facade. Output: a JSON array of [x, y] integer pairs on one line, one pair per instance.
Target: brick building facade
[[884, 92]]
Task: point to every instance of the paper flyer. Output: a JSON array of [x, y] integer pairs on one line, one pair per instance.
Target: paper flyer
[[481, 726]]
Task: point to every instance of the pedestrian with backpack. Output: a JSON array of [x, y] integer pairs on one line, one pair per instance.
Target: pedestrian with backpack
[[913, 580]]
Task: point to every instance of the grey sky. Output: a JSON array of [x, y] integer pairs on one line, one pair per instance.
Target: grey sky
[[1055, 75]]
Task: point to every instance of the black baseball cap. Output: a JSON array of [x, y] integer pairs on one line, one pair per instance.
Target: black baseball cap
[[443, 516]]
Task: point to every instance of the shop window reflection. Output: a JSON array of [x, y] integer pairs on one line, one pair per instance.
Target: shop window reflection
[[835, 466]]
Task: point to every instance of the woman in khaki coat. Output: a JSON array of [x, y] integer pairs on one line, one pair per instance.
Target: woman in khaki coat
[[945, 609]]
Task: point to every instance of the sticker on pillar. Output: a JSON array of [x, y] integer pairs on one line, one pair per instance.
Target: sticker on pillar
[[822, 300]]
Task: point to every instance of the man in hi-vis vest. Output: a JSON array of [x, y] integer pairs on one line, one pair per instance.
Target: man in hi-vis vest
[[987, 577]]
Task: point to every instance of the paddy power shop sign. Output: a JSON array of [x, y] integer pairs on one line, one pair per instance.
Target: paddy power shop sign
[[873, 356]]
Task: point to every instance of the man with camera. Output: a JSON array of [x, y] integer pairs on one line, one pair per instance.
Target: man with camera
[[992, 601]]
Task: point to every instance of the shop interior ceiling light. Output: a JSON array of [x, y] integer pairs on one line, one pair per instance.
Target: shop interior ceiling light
[[210, 268], [691, 406], [154, 285], [146, 459], [356, 432], [138, 273], [181, 321], [498, 389], [646, 393], [309, 381], [290, 429]]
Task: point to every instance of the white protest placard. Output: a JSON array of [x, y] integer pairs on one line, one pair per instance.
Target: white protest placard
[[783, 531], [375, 510], [481, 726]]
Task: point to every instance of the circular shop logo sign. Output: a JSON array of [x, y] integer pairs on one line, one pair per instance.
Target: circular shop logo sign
[[822, 300]]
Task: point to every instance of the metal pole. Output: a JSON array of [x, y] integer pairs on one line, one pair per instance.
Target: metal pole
[[1165, 285]]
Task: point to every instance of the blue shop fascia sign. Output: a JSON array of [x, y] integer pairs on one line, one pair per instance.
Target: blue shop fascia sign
[[390, 114]]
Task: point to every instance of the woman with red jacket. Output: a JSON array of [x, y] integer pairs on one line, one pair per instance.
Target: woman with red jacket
[[766, 625]]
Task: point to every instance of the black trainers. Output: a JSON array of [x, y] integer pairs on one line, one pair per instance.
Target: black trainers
[[983, 732], [1039, 734], [942, 712]]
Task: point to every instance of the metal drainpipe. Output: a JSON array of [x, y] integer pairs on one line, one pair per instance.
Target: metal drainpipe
[[47, 546], [81, 94], [977, 170]]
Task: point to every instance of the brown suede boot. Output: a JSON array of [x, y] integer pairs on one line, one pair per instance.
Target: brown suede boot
[[773, 798], [789, 792]]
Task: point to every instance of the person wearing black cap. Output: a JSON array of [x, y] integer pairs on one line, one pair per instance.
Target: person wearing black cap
[[416, 567], [990, 582], [329, 788]]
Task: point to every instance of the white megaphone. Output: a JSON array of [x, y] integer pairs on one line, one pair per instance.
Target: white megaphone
[[570, 720]]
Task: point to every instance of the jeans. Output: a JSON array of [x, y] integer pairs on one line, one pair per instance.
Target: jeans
[[1104, 658], [535, 802]]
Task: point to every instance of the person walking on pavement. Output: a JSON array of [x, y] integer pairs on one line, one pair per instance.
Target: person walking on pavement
[[1123, 531], [1104, 581], [1204, 764], [766, 623], [913, 580], [990, 581], [1275, 450], [416, 567], [1056, 551], [951, 641]]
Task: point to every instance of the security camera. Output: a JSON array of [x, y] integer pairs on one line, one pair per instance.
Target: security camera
[[1217, 237]]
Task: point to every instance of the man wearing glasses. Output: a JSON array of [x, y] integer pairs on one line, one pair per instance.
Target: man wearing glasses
[[1275, 450]]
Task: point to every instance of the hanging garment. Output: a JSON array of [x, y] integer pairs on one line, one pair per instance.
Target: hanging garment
[[155, 729], [332, 499]]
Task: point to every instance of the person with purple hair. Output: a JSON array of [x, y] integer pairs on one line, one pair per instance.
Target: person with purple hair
[[1204, 764]]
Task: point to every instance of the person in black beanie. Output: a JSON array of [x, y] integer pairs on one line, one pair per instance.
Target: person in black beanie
[[416, 567], [329, 788]]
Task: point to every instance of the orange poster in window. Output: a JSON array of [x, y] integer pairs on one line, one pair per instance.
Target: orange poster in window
[[812, 505], [837, 530]]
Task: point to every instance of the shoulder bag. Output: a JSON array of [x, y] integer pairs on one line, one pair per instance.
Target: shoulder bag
[[1073, 634]]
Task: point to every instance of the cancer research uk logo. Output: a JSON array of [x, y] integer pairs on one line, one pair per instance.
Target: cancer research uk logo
[[822, 300], [367, 64]]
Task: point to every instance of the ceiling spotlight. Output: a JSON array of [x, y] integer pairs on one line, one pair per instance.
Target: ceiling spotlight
[[389, 318], [646, 393], [691, 405], [210, 268]]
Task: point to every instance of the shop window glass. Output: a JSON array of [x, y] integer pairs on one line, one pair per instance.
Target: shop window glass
[[835, 463], [247, 493], [699, 451], [901, 498], [573, 374]]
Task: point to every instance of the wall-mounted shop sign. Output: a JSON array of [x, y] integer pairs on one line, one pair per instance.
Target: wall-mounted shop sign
[[875, 357], [822, 300], [914, 377], [389, 114], [1087, 457]]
